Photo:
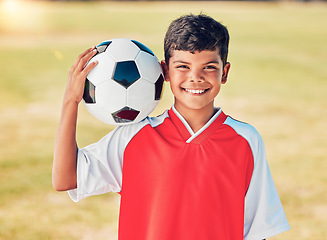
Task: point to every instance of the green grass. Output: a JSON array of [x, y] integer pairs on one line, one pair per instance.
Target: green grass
[[277, 83]]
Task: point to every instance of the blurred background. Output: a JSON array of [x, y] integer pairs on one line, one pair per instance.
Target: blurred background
[[277, 82]]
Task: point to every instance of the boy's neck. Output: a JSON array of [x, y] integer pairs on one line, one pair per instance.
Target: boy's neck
[[196, 118]]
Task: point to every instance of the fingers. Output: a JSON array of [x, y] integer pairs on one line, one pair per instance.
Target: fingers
[[89, 67], [81, 76], [77, 75], [82, 59]]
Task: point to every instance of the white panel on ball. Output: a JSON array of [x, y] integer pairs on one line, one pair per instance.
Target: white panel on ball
[[135, 99], [148, 109], [111, 96], [103, 70], [122, 49], [100, 113], [148, 66]]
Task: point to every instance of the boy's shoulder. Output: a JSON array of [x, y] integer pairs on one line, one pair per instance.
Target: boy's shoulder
[[240, 126], [247, 131], [157, 120]]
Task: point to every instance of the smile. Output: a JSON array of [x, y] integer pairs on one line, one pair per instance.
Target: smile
[[195, 91]]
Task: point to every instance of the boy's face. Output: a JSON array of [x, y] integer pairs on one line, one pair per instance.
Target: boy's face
[[195, 78]]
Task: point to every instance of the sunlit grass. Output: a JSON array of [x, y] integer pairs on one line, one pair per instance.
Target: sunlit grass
[[277, 83]]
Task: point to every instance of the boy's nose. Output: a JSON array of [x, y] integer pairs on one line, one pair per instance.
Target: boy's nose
[[196, 77]]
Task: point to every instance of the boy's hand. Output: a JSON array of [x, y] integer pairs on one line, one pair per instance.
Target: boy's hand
[[77, 75]]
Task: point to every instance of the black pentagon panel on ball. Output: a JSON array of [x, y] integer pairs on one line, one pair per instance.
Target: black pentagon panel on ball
[[103, 46], [89, 92], [125, 115], [158, 87], [126, 73], [143, 47]]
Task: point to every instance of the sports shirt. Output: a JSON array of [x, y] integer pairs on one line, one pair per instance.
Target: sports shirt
[[175, 184]]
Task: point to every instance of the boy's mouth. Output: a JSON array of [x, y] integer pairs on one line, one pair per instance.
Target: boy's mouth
[[195, 91]]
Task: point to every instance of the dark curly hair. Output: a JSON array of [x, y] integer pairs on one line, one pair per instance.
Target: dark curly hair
[[196, 33]]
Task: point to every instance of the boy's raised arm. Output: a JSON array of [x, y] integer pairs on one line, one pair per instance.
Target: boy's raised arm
[[65, 150]]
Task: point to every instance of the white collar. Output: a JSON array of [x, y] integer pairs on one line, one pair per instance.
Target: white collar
[[195, 134]]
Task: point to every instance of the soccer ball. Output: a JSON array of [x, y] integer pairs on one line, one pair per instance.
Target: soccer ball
[[126, 85]]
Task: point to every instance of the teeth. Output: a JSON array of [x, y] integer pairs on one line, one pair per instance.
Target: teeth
[[194, 91]]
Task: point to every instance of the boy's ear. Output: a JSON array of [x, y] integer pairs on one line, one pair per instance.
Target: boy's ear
[[165, 70], [225, 73]]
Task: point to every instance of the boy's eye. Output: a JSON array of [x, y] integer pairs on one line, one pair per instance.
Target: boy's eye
[[182, 66], [211, 67]]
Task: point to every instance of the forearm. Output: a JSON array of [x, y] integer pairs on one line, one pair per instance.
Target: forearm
[[65, 151]]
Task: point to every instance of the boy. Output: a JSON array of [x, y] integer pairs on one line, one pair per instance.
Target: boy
[[191, 173]]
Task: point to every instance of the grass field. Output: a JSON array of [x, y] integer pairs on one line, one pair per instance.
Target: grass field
[[277, 83]]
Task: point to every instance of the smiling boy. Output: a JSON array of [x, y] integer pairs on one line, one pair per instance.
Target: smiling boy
[[191, 173]]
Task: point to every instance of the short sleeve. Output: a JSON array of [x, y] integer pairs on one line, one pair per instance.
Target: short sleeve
[[264, 215], [100, 165]]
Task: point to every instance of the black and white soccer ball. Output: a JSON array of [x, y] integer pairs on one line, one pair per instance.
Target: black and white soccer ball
[[126, 85]]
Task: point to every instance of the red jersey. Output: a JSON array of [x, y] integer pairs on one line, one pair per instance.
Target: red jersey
[[177, 184]]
